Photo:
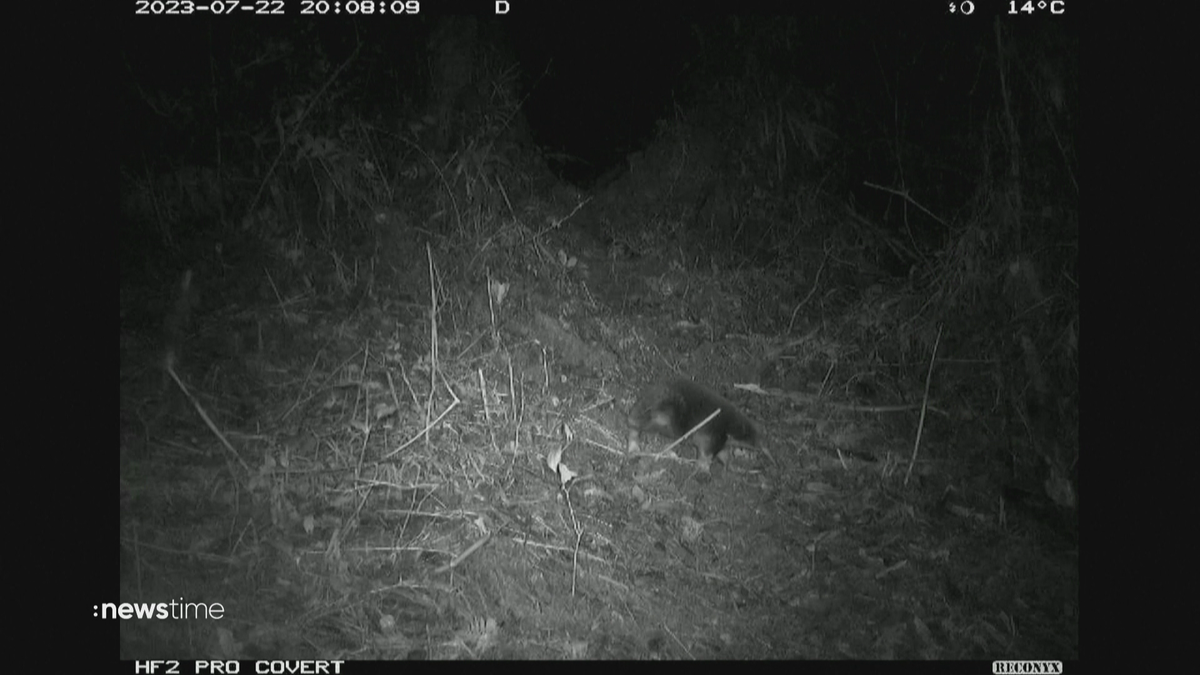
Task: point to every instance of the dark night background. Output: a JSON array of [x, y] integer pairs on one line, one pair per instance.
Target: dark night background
[[376, 269]]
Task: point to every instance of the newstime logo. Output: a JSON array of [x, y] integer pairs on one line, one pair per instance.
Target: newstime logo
[[1027, 667], [176, 609]]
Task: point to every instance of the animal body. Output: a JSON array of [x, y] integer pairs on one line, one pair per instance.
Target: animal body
[[673, 407]]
